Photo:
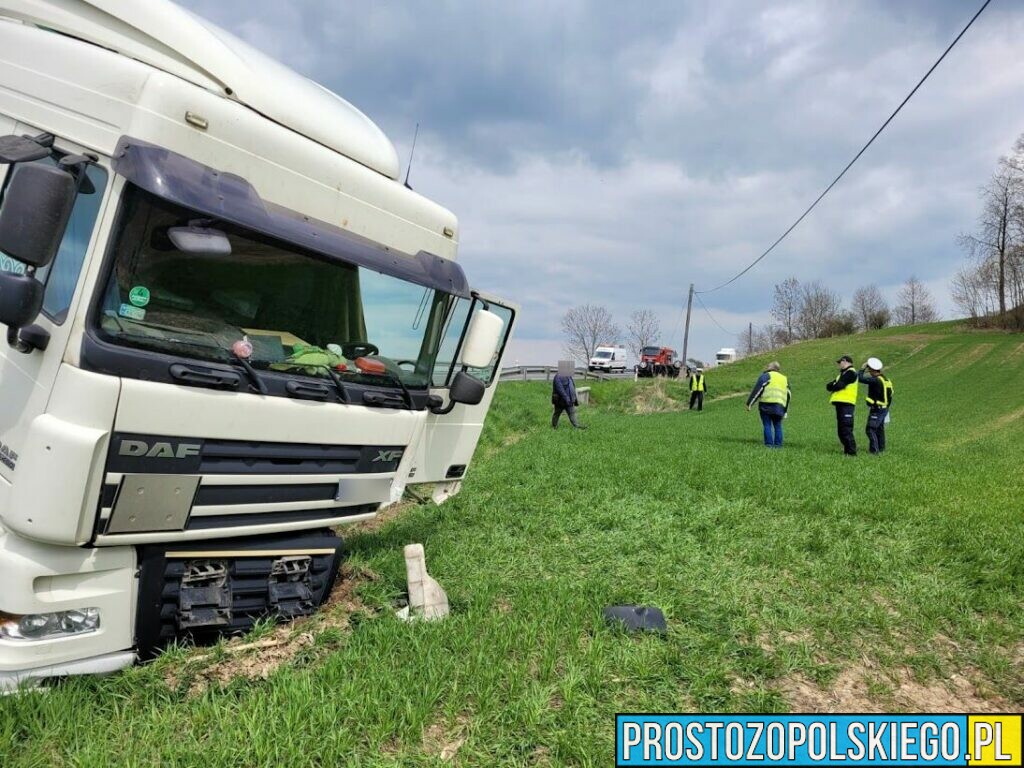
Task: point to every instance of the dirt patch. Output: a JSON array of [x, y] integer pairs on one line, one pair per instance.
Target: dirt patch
[[865, 688], [923, 337], [986, 430], [382, 518], [443, 740], [654, 399], [968, 357], [257, 659], [730, 396]]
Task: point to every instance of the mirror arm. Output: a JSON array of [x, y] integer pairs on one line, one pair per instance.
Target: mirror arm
[[35, 337], [482, 300], [15, 342], [438, 411], [445, 410]]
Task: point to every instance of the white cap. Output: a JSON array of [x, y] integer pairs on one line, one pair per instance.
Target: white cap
[[874, 364]]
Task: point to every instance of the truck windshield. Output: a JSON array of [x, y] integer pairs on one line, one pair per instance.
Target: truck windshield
[[653, 351], [602, 354], [298, 312]]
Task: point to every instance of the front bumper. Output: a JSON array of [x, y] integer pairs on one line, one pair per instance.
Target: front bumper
[[41, 578]]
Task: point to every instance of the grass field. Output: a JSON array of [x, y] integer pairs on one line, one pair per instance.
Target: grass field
[[794, 579]]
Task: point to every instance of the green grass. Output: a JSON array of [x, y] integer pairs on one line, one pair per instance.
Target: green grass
[[771, 566]]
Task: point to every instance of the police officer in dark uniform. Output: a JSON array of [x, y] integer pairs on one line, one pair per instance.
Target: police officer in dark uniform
[[844, 397], [879, 400]]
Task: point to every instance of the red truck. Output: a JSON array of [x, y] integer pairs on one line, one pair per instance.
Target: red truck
[[658, 361]]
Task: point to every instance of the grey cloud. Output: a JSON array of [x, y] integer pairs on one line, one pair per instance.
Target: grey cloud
[[615, 153]]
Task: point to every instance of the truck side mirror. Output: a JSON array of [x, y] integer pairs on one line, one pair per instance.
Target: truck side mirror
[[466, 389], [482, 339], [36, 208], [21, 299]]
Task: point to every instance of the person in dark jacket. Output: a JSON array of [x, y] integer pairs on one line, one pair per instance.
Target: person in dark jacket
[[563, 396], [844, 397], [879, 400], [771, 393]]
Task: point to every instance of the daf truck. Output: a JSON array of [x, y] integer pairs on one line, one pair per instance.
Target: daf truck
[[230, 329]]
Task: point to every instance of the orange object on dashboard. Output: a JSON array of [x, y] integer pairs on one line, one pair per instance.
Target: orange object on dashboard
[[366, 365]]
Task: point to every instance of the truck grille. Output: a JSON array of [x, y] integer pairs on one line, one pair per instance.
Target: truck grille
[[226, 484]]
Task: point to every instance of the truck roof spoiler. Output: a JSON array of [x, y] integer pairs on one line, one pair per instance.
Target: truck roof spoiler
[[232, 199]]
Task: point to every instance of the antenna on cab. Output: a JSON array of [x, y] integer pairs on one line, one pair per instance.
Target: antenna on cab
[[412, 151]]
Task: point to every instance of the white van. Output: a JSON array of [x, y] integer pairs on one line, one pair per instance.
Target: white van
[[608, 358]]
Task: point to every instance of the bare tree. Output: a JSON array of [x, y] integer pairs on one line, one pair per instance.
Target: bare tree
[[1001, 224], [914, 304], [968, 291], [869, 307], [818, 307], [786, 306], [643, 329], [585, 328]]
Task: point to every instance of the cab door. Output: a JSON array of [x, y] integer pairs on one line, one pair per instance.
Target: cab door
[[446, 447], [27, 379]]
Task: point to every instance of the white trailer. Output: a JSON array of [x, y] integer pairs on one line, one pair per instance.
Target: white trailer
[[230, 329]]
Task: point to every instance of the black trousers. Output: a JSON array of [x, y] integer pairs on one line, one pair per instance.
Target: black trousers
[[844, 428], [569, 410], [876, 429], [698, 398]]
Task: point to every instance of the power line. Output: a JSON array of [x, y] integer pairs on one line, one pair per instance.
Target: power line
[[701, 301], [855, 157]]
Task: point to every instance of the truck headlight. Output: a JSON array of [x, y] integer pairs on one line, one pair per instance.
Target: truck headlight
[[40, 626]]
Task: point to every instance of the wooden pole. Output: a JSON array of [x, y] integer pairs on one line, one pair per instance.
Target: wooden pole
[[686, 331]]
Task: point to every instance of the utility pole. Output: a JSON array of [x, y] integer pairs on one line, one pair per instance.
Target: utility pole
[[686, 332]]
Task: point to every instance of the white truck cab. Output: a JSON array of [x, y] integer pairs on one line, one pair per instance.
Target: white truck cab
[[608, 358], [230, 329], [725, 355]]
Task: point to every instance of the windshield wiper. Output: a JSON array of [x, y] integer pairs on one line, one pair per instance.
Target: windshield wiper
[[254, 377], [406, 394]]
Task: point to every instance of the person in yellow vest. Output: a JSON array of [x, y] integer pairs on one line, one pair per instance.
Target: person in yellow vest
[[844, 397], [771, 393], [879, 400], [697, 388]]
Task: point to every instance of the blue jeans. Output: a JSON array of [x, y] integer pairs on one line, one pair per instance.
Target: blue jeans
[[772, 423]]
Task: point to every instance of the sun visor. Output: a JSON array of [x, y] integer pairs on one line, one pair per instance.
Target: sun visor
[[231, 198]]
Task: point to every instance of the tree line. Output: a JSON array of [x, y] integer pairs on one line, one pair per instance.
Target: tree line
[[588, 326], [813, 311], [989, 289]]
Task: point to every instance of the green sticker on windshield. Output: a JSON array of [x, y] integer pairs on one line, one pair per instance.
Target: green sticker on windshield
[[139, 296]]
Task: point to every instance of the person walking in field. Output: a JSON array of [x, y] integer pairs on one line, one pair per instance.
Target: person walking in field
[[772, 395], [563, 396], [697, 388], [844, 397], [879, 400]]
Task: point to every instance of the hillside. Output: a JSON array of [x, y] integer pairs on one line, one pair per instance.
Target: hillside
[[795, 579]]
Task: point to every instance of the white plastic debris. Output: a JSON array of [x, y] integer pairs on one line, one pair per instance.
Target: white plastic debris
[[427, 600]]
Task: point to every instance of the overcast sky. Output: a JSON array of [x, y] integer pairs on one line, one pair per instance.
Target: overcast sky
[[612, 153]]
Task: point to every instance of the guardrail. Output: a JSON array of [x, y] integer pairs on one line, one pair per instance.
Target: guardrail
[[547, 372]]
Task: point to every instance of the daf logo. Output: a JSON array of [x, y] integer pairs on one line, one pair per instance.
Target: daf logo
[[140, 448], [388, 456]]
